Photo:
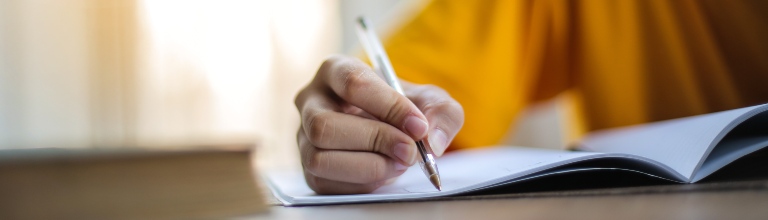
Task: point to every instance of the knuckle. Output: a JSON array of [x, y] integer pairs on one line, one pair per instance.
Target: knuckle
[[354, 79], [300, 98], [377, 173], [398, 109], [297, 100], [300, 138], [314, 163], [378, 140], [329, 63], [298, 135], [315, 127], [325, 68], [306, 154]]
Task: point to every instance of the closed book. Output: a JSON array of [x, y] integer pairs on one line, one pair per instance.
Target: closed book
[[127, 183]]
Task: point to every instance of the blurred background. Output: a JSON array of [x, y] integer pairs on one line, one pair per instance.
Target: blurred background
[[95, 73], [115, 73]]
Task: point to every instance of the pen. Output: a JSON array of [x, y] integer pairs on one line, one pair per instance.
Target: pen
[[383, 67]]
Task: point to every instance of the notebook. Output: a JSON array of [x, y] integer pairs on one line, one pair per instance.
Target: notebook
[[684, 150]]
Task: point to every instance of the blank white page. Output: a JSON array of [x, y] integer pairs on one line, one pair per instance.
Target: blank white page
[[460, 172], [681, 144]]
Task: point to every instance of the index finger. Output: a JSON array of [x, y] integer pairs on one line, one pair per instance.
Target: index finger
[[356, 83]]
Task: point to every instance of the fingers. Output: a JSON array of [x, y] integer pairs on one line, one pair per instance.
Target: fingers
[[445, 115], [355, 82], [351, 167], [352, 110], [358, 133], [347, 166], [332, 130]]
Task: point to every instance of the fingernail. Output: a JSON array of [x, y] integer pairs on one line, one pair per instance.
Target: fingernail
[[403, 151], [400, 167], [438, 141], [416, 126]]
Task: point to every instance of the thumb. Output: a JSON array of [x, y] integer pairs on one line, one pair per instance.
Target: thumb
[[442, 131], [444, 115]]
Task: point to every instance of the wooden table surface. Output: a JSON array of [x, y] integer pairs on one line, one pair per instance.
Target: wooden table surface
[[720, 200]]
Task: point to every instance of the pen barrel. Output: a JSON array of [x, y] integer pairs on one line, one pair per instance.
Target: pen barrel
[[383, 67], [377, 55], [389, 74]]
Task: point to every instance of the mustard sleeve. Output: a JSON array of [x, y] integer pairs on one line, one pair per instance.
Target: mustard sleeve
[[626, 62], [485, 56]]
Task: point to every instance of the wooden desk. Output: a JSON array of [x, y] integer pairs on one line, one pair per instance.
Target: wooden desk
[[725, 200]]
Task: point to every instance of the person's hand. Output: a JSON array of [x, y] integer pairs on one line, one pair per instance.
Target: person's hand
[[357, 133]]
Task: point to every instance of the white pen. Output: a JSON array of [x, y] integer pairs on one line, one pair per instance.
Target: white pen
[[383, 67]]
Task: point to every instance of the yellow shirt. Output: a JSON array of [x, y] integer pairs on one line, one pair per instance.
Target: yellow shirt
[[623, 62]]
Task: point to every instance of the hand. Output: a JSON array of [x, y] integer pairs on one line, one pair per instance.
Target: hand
[[357, 133]]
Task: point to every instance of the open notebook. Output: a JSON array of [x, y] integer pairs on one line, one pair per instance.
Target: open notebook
[[682, 150]]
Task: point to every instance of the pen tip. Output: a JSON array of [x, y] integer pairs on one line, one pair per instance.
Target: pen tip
[[435, 179]]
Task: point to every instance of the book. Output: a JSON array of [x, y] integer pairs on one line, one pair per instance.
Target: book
[[128, 183], [684, 150]]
